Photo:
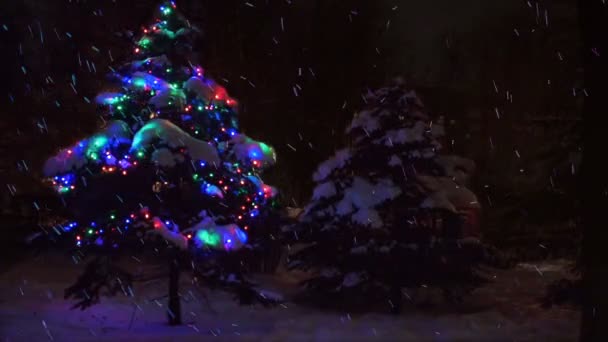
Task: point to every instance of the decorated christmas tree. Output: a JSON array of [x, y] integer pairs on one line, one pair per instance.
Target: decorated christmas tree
[[169, 167], [387, 212]]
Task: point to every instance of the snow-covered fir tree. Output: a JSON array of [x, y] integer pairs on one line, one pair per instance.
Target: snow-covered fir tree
[[386, 210], [169, 166]]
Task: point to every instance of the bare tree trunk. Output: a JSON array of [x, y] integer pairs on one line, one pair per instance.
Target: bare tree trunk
[[593, 16], [175, 311]]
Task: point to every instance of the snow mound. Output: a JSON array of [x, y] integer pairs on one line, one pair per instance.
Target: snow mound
[[444, 193], [362, 197], [115, 133], [206, 89], [156, 62], [173, 236], [364, 120], [166, 133], [208, 234], [168, 98], [324, 190], [141, 80], [107, 98], [248, 150], [326, 168], [202, 88], [403, 135], [165, 158]]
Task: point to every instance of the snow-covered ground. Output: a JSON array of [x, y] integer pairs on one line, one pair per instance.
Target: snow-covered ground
[[32, 308]]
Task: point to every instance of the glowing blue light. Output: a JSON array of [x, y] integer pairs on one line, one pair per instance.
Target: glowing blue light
[[241, 235], [203, 164], [101, 231], [93, 224], [127, 221], [167, 223]]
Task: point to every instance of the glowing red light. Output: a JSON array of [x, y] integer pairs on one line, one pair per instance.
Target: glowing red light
[[124, 173], [69, 151], [136, 50], [189, 236], [78, 237]]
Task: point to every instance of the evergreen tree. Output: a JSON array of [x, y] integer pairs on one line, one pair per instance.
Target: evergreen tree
[[385, 212], [169, 162]]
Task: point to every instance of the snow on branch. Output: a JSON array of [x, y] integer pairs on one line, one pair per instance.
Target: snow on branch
[[115, 133], [167, 133]]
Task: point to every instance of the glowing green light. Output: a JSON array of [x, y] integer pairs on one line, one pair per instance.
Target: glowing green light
[[265, 148], [200, 108], [211, 175], [140, 82], [168, 70], [100, 141], [212, 239], [140, 154], [119, 107], [93, 156], [112, 216], [145, 41], [195, 176], [90, 231]]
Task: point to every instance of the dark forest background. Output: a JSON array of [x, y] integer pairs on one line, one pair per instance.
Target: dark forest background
[[506, 74]]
